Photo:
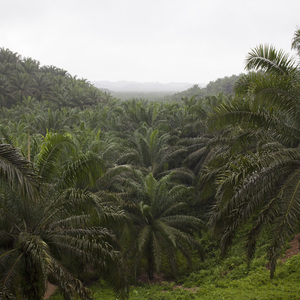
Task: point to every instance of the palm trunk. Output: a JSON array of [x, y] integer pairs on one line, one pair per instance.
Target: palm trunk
[[150, 264], [28, 144]]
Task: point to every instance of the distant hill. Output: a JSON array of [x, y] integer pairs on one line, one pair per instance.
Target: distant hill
[[133, 86], [23, 77], [223, 85]]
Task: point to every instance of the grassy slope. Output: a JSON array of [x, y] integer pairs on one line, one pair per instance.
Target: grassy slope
[[231, 280]]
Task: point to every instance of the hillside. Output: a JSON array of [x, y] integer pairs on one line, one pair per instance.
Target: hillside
[[223, 85], [22, 77]]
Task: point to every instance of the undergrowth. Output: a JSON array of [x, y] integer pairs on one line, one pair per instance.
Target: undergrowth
[[229, 280], [216, 278]]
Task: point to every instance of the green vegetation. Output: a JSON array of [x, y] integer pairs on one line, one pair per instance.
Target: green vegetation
[[23, 77], [193, 197], [265, 123], [161, 226], [229, 280], [214, 88], [150, 96]]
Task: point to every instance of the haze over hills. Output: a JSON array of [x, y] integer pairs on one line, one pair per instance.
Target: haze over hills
[[133, 86]]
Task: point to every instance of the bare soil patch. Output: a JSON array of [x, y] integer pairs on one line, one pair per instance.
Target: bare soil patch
[[294, 250], [51, 288]]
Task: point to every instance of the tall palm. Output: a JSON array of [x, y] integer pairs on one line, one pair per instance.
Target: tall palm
[[135, 113], [29, 65], [41, 86], [37, 232], [6, 96], [161, 226], [21, 86], [258, 177]]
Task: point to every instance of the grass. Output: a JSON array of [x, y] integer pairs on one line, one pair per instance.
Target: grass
[[230, 280]]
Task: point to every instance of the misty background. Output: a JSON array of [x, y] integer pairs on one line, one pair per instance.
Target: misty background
[[189, 41]]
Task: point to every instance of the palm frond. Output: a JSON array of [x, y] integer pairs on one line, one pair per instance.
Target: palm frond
[[157, 251], [143, 238], [9, 264], [53, 146], [16, 171], [70, 285], [267, 58], [167, 231], [244, 113], [289, 211], [184, 222], [296, 41], [83, 171]]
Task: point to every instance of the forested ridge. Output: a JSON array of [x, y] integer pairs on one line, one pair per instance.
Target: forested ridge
[[23, 77], [223, 85], [198, 192]]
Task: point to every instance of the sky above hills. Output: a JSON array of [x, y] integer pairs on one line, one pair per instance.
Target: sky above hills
[[193, 41]]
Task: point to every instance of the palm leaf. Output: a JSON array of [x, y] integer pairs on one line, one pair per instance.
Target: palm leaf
[[16, 171], [70, 285], [267, 58], [53, 146], [296, 41], [143, 238]]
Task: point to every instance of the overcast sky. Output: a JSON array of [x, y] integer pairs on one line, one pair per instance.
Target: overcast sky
[[193, 41]]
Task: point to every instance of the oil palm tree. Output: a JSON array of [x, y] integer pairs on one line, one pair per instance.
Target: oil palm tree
[[160, 226], [136, 113], [257, 175], [41, 86], [37, 231], [152, 151], [6, 96]]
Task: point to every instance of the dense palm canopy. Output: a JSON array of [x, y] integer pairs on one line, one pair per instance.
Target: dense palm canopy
[[113, 187], [257, 173], [23, 77], [151, 151]]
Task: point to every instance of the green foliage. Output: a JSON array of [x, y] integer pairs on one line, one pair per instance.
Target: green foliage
[[149, 96], [215, 283], [219, 87], [122, 186], [36, 231], [160, 227], [296, 41], [256, 174], [17, 172], [21, 78]]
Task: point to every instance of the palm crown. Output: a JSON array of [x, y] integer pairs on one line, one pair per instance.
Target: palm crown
[[160, 226]]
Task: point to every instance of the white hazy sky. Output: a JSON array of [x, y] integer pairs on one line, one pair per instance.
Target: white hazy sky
[[193, 41]]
